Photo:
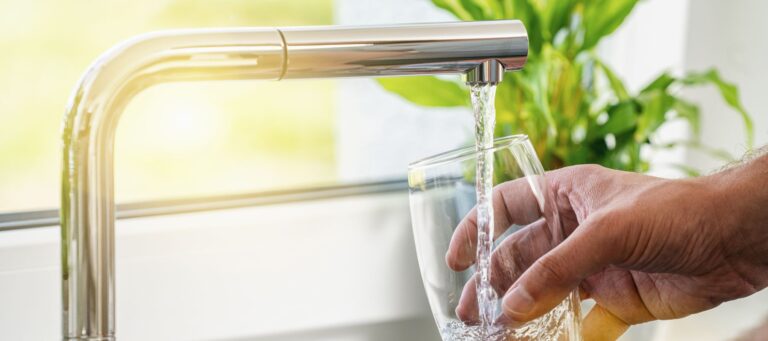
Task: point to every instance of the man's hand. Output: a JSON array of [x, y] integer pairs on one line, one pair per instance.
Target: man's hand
[[643, 248]]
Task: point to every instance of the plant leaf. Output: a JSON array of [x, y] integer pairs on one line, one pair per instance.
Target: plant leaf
[[660, 83], [539, 93], [655, 105], [602, 17], [476, 10], [689, 112], [730, 94], [455, 8], [616, 84], [495, 9], [621, 118], [555, 15], [427, 91]]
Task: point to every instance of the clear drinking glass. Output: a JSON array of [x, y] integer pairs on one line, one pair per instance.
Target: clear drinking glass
[[442, 193]]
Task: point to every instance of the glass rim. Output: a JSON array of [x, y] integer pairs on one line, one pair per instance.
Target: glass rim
[[466, 152]]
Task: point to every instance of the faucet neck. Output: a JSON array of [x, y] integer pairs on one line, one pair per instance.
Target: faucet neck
[[92, 116]]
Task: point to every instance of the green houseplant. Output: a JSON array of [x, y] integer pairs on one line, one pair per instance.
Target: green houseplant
[[573, 107]]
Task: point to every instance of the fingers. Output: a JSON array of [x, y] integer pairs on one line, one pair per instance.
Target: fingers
[[553, 276], [467, 310], [508, 262], [513, 203], [602, 325]]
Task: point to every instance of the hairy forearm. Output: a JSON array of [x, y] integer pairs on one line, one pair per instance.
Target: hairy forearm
[[742, 204], [748, 157], [756, 153]]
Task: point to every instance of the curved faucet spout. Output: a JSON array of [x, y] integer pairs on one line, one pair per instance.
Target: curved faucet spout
[[87, 202]]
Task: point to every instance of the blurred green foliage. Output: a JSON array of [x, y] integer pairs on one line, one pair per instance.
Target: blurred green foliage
[[574, 108]]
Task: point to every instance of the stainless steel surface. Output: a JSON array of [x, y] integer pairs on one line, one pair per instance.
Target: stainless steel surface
[[88, 208], [404, 49], [489, 72]]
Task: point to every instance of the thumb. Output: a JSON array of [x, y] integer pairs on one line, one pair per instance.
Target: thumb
[[556, 274]]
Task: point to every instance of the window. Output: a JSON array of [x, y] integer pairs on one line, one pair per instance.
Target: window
[[175, 140]]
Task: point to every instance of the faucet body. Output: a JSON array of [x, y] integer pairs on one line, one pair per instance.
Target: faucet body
[[482, 50]]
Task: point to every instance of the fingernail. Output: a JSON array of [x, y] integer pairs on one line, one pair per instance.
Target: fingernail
[[504, 320], [518, 302], [454, 264]]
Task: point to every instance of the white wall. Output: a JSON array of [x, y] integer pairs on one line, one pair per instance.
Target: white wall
[[729, 35], [650, 41]]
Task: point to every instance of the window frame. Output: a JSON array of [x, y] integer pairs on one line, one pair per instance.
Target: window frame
[[45, 218]]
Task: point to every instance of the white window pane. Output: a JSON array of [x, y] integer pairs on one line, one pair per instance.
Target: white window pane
[[175, 140]]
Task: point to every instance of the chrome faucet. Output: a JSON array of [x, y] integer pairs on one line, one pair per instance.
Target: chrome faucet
[[480, 50]]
